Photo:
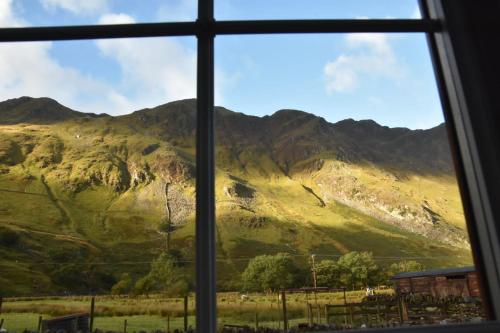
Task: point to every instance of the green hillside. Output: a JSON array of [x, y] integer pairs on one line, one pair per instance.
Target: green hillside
[[82, 196]]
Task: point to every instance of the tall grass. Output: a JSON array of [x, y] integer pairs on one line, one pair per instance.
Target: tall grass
[[112, 310]]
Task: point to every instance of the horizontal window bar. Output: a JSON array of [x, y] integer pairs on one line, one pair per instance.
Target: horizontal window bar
[[25, 34], [325, 26]]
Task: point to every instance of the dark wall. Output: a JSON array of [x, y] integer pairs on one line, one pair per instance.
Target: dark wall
[[471, 37]]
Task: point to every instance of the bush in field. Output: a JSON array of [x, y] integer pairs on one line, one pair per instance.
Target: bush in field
[[166, 276], [328, 274], [403, 266], [143, 286], [9, 238], [358, 269], [123, 286], [270, 273]]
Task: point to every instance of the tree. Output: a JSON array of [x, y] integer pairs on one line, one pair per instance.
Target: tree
[[328, 274], [143, 286], [123, 286], [270, 273], [166, 276], [358, 269], [404, 266]]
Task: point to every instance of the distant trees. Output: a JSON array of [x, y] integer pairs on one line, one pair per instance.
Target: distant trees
[[404, 266], [358, 269], [353, 270], [165, 276], [123, 286], [9, 238], [328, 273], [270, 273]]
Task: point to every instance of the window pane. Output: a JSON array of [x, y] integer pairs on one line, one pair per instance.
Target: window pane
[[97, 182], [315, 9], [62, 12], [334, 171]]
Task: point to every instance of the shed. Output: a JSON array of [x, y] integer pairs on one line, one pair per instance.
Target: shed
[[78, 322], [439, 283]]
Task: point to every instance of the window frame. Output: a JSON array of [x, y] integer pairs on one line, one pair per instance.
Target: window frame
[[477, 203]]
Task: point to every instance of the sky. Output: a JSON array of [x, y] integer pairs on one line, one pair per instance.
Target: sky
[[385, 77]]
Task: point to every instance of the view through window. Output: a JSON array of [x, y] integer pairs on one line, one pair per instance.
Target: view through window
[[337, 202], [97, 185]]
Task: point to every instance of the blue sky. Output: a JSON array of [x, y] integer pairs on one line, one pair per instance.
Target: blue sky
[[385, 77]]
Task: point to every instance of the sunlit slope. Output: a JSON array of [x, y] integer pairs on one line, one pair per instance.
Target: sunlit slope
[[82, 196]]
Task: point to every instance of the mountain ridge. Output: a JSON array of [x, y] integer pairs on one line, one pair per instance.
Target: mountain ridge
[[288, 180]]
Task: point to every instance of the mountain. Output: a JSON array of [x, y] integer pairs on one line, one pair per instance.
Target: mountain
[[79, 190]]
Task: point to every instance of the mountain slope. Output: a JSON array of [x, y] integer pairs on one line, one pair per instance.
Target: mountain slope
[[77, 190]]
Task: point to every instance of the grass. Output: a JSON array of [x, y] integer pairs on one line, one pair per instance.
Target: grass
[[151, 313], [98, 224]]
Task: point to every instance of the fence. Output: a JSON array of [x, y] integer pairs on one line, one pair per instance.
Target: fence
[[90, 321]]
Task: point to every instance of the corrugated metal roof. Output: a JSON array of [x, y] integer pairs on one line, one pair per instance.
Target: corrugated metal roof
[[435, 272]]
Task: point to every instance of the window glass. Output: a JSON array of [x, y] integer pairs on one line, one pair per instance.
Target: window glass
[[336, 190], [315, 9], [97, 183], [20, 13]]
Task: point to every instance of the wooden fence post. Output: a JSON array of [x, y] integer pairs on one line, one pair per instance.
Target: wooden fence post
[[1, 323], [1, 303], [310, 314], [39, 329], [125, 326], [402, 309], [168, 323], [378, 313], [92, 309], [185, 313], [345, 307], [256, 321], [285, 318]]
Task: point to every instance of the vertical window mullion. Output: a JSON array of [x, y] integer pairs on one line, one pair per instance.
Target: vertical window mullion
[[206, 316]]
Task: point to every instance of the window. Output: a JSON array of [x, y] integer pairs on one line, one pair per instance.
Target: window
[[203, 154]]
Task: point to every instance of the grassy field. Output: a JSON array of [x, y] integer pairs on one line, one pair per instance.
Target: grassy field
[[154, 312]]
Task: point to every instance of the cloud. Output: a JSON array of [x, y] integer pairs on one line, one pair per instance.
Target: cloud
[[153, 69], [77, 6], [116, 19], [29, 69], [7, 18], [370, 55]]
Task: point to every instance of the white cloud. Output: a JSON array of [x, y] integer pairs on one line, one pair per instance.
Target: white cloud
[[153, 69], [77, 6], [7, 18], [369, 54], [28, 69], [116, 19]]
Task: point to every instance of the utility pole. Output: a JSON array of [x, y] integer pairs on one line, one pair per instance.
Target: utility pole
[[313, 269]]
